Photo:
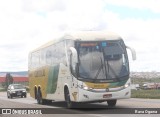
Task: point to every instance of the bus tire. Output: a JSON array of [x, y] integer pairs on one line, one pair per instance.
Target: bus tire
[[35, 93], [39, 97], [67, 99], [112, 103]]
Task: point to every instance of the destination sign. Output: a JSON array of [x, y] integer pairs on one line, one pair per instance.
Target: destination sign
[[88, 44]]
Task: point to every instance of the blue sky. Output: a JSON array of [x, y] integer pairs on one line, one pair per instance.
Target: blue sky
[[127, 12], [27, 24]]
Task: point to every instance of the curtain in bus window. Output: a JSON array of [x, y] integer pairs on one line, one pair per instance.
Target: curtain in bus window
[[91, 63]]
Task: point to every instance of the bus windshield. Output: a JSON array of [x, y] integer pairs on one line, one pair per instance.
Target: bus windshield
[[102, 60]]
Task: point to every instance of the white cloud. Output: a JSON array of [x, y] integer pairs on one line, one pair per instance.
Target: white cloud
[[44, 5], [143, 35], [27, 24], [30, 23]]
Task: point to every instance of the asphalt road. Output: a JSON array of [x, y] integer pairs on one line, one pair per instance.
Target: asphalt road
[[85, 110]]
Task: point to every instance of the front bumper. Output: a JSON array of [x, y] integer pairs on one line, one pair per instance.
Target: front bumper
[[88, 96], [18, 93]]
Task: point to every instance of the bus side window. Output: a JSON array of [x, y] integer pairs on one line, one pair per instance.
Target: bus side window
[[48, 56], [35, 62]]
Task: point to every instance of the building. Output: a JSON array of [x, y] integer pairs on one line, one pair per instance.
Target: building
[[20, 79]]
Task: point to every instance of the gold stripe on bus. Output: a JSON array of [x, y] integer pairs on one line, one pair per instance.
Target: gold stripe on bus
[[97, 85]]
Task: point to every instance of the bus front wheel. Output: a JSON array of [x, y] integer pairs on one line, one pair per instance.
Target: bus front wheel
[[112, 103], [67, 99]]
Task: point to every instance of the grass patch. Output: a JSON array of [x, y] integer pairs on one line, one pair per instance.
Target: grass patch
[[2, 89], [151, 94], [142, 80]]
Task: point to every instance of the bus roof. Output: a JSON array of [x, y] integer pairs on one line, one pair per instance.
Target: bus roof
[[92, 36], [84, 36]]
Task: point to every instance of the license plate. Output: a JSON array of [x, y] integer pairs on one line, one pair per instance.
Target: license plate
[[107, 95]]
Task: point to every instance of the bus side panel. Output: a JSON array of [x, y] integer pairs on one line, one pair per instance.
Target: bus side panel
[[31, 85], [59, 77], [52, 79], [38, 78]]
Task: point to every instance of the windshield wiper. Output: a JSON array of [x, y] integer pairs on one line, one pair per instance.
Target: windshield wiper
[[109, 67], [100, 68]]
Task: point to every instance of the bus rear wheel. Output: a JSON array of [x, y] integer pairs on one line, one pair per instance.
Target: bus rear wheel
[[39, 98], [112, 103], [68, 100]]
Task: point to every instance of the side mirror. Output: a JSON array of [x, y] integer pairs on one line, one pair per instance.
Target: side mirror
[[73, 61], [133, 52], [74, 55]]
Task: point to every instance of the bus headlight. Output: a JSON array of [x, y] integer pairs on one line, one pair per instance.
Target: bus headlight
[[85, 88], [126, 85]]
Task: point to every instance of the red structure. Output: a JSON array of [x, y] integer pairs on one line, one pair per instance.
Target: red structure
[[15, 79]]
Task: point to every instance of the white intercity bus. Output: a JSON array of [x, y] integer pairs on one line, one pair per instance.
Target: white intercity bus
[[87, 66]]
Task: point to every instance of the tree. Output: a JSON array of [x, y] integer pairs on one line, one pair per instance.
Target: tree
[[9, 79]]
